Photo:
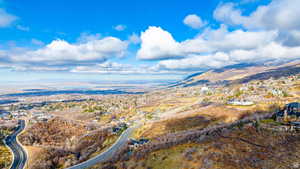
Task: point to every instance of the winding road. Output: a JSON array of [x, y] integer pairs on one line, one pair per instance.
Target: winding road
[[19, 154], [108, 154]]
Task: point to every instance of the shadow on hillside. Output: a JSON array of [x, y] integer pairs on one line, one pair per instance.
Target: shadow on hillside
[[273, 73]]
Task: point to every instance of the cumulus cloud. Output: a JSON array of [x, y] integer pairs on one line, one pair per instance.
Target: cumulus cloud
[[157, 44], [279, 14], [194, 21], [270, 52], [60, 54], [6, 19], [227, 13], [120, 27], [223, 40], [196, 62]]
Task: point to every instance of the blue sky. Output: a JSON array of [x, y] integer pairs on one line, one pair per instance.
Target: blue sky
[[142, 39], [67, 19]]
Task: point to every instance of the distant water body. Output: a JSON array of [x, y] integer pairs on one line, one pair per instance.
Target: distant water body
[[34, 90], [7, 101], [58, 92]]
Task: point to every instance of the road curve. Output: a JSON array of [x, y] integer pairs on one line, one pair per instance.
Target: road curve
[[108, 154], [19, 154]]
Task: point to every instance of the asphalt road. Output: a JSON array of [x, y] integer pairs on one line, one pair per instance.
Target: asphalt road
[[20, 156], [108, 154]]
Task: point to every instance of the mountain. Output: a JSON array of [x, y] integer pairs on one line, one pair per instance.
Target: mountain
[[241, 73]]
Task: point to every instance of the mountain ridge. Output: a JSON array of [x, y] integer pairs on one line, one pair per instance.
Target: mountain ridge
[[240, 73]]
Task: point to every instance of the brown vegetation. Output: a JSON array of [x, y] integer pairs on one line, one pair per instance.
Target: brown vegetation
[[55, 132], [62, 143]]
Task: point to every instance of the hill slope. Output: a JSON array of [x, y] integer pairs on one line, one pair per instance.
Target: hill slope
[[241, 73]]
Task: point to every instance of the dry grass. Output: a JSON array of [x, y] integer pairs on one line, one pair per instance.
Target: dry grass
[[33, 154], [196, 117], [228, 114]]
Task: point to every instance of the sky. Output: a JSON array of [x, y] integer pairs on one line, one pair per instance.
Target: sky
[[138, 39]]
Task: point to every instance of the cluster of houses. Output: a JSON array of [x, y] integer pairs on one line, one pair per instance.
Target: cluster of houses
[[136, 143], [7, 114], [18, 111], [291, 112], [287, 119], [18, 114], [236, 102], [40, 117]]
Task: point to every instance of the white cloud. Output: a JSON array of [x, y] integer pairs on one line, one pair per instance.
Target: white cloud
[[228, 14], [157, 44], [197, 62], [279, 14], [60, 51], [61, 55], [6, 19], [270, 52], [194, 21], [223, 40], [120, 27]]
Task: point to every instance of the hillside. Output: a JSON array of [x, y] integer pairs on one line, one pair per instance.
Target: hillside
[[241, 73], [244, 144], [61, 143]]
